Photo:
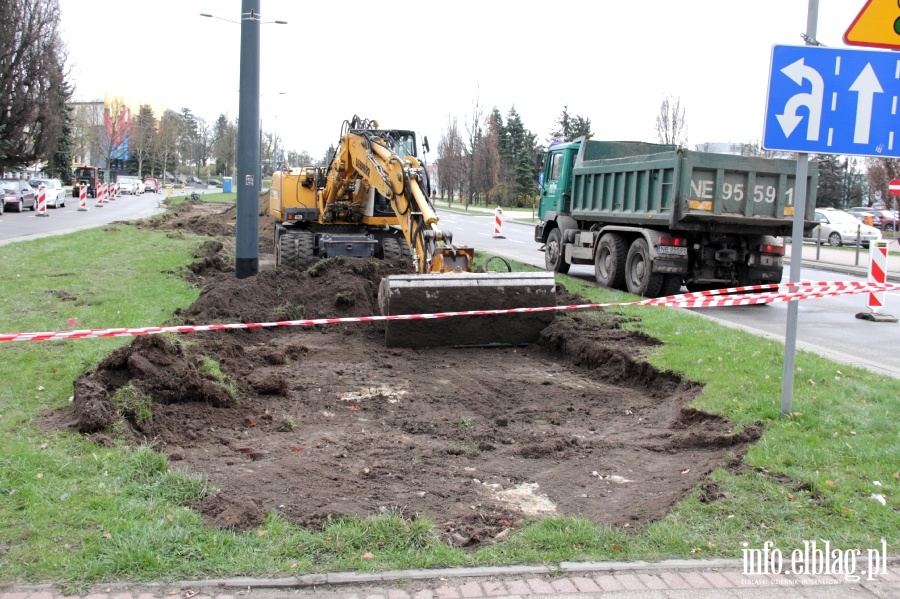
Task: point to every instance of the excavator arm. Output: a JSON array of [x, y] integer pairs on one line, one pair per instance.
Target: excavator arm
[[366, 159]]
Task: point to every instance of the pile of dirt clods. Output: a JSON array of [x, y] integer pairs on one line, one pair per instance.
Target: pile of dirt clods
[[313, 422]]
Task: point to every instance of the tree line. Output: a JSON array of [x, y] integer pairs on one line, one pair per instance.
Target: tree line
[[495, 159], [491, 158]]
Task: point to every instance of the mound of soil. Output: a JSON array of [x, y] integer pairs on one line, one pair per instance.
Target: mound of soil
[[315, 422]]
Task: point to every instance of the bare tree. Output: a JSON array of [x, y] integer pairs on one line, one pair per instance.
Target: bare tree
[[450, 160], [142, 137], [474, 133], [879, 173], [487, 159], [167, 138], [671, 127]]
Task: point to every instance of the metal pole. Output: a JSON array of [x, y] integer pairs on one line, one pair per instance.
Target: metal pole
[[858, 242], [246, 252], [790, 336]]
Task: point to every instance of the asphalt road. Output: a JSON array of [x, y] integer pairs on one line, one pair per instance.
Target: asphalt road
[[19, 226], [827, 326]]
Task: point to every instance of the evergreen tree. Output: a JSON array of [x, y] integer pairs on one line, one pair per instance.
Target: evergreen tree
[[60, 163], [569, 128]]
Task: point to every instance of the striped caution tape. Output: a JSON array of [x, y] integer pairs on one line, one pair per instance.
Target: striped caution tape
[[733, 296]]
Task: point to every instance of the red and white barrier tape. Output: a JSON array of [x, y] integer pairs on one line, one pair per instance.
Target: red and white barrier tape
[[733, 296]]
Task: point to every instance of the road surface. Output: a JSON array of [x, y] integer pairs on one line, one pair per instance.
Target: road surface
[[828, 327]]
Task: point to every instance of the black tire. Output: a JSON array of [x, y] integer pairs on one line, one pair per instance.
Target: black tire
[[296, 249], [34, 206], [835, 239], [889, 227], [639, 278], [390, 248], [553, 253], [396, 249], [609, 261], [671, 285]]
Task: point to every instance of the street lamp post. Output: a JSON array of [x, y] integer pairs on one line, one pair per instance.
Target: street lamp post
[[246, 252]]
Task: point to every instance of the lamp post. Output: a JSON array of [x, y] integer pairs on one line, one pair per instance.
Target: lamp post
[[246, 251]]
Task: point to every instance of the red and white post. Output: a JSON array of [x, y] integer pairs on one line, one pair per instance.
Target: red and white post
[[82, 198], [101, 195], [42, 201], [498, 223], [878, 253]]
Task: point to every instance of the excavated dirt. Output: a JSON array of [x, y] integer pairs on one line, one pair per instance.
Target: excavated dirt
[[312, 423]]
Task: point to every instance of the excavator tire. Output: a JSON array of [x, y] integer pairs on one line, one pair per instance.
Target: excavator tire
[[395, 249], [297, 249]]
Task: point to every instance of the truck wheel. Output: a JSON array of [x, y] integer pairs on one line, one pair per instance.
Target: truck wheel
[[553, 253], [671, 285], [609, 261], [639, 277]]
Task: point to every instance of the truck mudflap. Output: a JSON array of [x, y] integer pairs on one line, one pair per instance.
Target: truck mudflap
[[435, 293]]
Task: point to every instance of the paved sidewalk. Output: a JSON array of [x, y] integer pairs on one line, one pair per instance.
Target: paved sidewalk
[[673, 579]]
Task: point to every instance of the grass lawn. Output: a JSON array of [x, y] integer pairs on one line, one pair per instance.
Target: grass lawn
[[73, 512]]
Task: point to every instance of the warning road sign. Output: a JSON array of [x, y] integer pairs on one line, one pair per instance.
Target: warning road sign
[[877, 25]]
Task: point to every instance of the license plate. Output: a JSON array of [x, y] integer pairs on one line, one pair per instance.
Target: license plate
[[671, 250]]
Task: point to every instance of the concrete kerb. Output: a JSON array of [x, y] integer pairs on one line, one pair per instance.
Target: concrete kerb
[[392, 576]]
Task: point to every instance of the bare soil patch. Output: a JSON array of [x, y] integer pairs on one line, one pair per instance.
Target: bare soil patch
[[327, 421]]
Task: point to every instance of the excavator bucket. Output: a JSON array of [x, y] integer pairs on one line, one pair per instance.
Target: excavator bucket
[[459, 292]]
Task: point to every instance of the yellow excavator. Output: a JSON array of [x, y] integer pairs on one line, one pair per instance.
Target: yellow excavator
[[372, 200]]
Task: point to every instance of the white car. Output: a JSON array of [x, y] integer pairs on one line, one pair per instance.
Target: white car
[[126, 185], [840, 228], [53, 188]]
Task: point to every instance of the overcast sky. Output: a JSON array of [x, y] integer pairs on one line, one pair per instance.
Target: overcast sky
[[414, 66]]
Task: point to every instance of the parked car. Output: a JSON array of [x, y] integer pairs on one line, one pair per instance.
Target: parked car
[[840, 228], [151, 184], [863, 214], [215, 182], [126, 185], [194, 181], [53, 189], [889, 220], [18, 194]]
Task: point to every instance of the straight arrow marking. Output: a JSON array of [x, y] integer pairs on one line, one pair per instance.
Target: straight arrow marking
[[866, 86]]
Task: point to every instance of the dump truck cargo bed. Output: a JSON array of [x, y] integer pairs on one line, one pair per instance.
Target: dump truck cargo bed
[[434, 293], [652, 185]]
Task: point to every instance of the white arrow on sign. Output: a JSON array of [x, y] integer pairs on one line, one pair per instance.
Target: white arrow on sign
[[797, 72], [866, 86]]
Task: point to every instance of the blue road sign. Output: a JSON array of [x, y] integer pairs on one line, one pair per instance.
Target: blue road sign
[[833, 101]]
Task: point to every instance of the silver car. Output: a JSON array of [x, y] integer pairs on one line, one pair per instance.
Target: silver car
[[53, 188], [840, 228]]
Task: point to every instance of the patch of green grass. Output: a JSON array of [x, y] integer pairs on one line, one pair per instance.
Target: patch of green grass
[[219, 197], [211, 369], [290, 311], [75, 512], [132, 404]]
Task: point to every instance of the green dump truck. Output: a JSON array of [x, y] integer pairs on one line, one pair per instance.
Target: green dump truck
[[653, 217]]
